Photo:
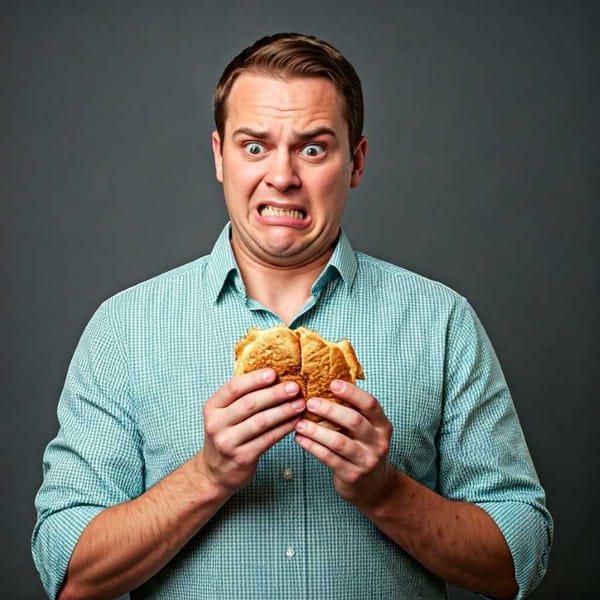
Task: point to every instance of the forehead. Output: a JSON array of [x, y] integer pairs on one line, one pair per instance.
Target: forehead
[[304, 100]]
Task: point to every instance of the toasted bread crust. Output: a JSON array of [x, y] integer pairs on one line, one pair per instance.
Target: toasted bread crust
[[300, 355], [278, 348]]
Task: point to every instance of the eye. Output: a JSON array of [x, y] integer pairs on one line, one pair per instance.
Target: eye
[[313, 150], [254, 148]]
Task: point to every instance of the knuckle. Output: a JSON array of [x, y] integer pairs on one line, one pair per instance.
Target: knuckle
[[275, 394], [353, 476], [270, 438], [260, 421], [210, 427], [224, 445], [248, 402], [371, 462], [339, 443], [234, 387], [357, 420], [209, 408], [327, 457], [370, 402], [384, 447], [310, 427], [323, 408]]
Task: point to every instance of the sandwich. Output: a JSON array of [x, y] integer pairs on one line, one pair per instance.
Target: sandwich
[[302, 356]]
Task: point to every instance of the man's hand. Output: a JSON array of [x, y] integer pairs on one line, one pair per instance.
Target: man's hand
[[357, 455], [242, 420], [128, 543], [457, 541]]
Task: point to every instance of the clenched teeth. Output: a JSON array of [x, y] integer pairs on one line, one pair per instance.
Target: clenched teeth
[[272, 211]]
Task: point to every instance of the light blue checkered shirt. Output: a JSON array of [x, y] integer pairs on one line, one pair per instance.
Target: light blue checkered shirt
[[130, 413]]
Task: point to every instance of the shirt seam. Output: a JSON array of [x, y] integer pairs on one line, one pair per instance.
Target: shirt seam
[[120, 346], [172, 275], [399, 272]]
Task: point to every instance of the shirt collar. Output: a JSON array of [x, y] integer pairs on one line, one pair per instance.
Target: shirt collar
[[223, 267], [341, 264]]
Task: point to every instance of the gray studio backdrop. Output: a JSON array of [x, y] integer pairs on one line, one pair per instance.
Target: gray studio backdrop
[[482, 173]]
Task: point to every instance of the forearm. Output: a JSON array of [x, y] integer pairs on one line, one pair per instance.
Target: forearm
[[128, 543], [457, 541]]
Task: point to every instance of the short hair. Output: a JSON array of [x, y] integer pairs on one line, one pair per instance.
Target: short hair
[[288, 55]]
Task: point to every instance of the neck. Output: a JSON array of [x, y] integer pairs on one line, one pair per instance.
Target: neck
[[283, 290]]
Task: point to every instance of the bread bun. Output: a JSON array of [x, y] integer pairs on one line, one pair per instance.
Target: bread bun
[[300, 355]]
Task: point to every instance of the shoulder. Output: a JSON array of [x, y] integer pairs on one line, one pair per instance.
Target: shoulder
[[394, 281], [171, 289]]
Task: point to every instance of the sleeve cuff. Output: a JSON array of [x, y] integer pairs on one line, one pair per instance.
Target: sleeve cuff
[[528, 533], [53, 543]]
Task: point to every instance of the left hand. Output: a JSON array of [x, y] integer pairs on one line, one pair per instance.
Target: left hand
[[357, 455]]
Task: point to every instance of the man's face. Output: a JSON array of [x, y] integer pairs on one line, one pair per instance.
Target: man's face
[[286, 168]]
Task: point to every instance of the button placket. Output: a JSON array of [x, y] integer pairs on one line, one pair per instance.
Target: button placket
[[291, 532]]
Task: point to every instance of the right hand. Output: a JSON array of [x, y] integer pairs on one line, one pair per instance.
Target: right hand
[[242, 420]]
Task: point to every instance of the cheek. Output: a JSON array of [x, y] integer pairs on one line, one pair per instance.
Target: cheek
[[332, 185], [239, 180], [240, 177]]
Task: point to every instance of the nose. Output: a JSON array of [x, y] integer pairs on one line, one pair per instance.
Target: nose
[[281, 171]]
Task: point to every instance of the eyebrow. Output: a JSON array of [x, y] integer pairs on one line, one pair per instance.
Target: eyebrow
[[313, 133], [305, 135]]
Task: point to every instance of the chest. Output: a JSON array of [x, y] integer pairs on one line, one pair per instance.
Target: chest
[[186, 362]]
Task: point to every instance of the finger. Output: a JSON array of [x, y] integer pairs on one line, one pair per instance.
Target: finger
[[264, 421], [259, 400], [338, 465], [240, 385], [347, 418], [364, 402], [259, 445], [334, 441]]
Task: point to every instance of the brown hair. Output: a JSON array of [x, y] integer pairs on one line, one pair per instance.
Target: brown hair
[[288, 55]]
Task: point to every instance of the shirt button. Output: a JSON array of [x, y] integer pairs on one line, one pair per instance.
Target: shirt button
[[288, 473], [290, 552]]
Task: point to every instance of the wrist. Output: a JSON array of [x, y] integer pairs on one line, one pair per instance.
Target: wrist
[[203, 480], [394, 493]]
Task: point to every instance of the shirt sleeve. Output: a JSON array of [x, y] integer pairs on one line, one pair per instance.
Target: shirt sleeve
[[484, 458], [95, 460]]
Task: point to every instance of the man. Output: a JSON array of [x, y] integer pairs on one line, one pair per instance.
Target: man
[[172, 479]]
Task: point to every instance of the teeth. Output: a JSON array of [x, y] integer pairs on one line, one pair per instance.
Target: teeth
[[271, 211]]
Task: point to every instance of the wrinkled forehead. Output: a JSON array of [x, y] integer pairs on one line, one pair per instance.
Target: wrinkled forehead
[[259, 96]]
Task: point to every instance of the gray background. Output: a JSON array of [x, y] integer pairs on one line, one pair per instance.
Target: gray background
[[482, 173]]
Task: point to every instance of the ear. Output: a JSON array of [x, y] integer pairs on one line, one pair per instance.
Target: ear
[[218, 155], [358, 161]]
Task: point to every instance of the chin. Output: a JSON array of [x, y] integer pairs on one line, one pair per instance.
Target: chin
[[282, 245], [279, 255]]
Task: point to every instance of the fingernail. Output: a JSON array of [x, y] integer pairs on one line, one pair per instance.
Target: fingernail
[[313, 404], [300, 426], [298, 404], [337, 385], [291, 388], [268, 375]]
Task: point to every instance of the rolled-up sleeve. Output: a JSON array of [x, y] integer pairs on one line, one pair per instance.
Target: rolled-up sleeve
[[95, 460], [484, 458]]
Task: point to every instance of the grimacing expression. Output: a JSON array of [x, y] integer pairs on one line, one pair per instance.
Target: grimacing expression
[[286, 168]]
